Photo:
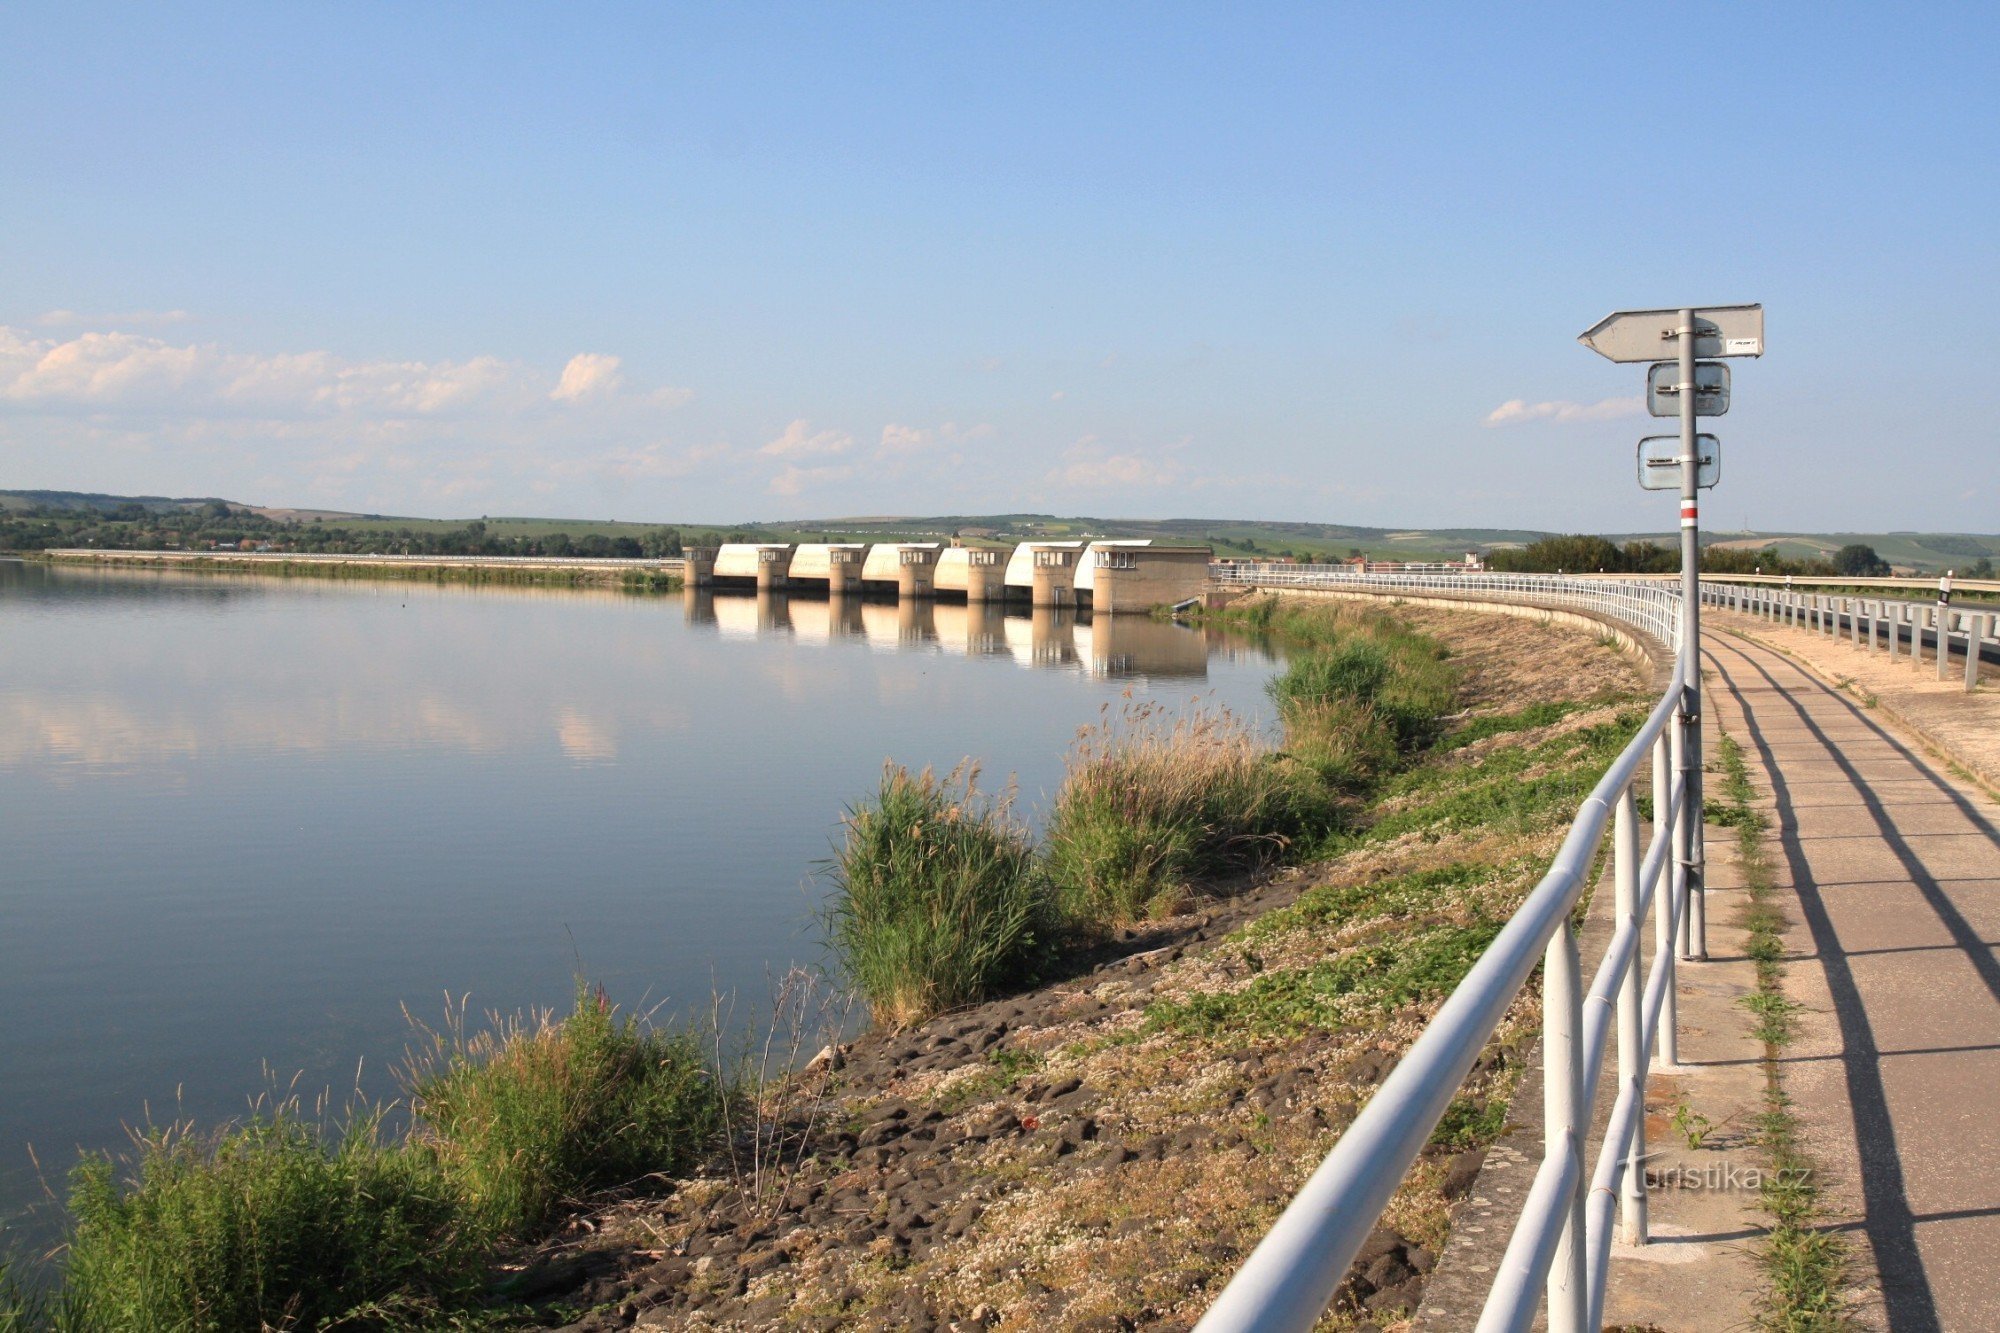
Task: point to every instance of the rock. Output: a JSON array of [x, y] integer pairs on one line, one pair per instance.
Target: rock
[[1079, 1131], [554, 1278], [961, 1219], [1463, 1171]]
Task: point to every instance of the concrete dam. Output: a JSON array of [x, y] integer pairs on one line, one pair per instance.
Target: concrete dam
[[1104, 577]]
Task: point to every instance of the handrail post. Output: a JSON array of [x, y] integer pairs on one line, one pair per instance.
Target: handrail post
[[1631, 1017], [1563, 1112], [1666, 1043]]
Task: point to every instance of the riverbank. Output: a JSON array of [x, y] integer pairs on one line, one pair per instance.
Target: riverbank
[[1098, 1150], [637, 576], [1102, 1151]]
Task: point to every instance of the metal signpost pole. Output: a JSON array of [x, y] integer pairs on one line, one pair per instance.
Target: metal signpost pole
[[1692, 828]]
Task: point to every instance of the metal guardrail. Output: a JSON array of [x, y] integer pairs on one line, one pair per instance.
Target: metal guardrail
[[1561, 1248], [1900, 627], [1654, 605]]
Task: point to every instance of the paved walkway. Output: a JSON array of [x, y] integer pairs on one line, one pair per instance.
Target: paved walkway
[[1896, 1072]]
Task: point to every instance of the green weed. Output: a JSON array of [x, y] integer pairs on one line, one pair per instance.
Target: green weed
[[937, 898], [534, 1112], [270, 1223]]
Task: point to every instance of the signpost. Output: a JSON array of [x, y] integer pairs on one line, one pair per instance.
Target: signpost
[[1674, 340], [1660, 462], [1711, 389]]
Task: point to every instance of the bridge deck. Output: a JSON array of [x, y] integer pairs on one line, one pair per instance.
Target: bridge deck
[[1895, 865]]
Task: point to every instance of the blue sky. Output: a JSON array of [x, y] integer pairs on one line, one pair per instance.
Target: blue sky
[[733, 262]]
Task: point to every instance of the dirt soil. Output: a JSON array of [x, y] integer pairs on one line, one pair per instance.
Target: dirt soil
[[1054, 1160]]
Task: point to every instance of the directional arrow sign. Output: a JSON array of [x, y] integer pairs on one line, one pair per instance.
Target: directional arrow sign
[[1654, 335]]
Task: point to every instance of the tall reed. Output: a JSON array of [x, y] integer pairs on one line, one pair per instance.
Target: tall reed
[[937, 899], [534, 1111], [274, 1223], [1150, 799]]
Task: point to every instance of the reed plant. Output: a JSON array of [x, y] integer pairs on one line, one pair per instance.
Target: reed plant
[[1150, 800], [270, 1223], [1357, 659], [937, 897], [533, 1111]]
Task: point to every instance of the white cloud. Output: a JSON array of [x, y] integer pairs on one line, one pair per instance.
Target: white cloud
[[1090, 465], [1610, 409], [904, 439], [800, 440], [588, 375], [899, 441], [62, 319], [115, 372], [128, 372], [795, 479]]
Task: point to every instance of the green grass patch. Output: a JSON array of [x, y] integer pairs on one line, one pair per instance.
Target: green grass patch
[[1364, 982], [1470, 1122], [535, 1112], [1544, 714], [1147, 803], [283, 1221], [273, 1223], [1512, 790], [937, 897], [1804, 1264]]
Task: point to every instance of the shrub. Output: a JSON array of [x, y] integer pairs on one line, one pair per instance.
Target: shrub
[[264, 1224], [937, 896], [1145, 804], [1362, 658], [534, 1112]]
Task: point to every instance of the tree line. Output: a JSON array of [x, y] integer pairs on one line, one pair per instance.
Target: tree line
[[219, 524], [1583, 554]]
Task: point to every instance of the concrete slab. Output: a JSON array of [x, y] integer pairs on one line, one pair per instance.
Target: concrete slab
[[1897, 905]]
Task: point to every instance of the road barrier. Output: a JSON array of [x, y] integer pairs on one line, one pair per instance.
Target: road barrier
[[1901, 626], [1561, 1248]]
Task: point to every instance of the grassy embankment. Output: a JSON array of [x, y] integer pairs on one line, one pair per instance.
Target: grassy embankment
[[941, 898], [1252, 1053], [625, 580], [1804, 1264], [284, 1221]]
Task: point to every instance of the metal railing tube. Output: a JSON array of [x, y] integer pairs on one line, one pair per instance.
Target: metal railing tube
[[1561, 1247], [1566, 1118], [1630, 906], [1292, 1274], [1516, 1294], [1666, 813], [1601, 1201]]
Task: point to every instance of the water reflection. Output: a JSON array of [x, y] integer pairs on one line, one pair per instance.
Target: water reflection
[[1058, 638], [246, 817]]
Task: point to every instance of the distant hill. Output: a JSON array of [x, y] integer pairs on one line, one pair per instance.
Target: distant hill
[[1232, 536], [14, 501]]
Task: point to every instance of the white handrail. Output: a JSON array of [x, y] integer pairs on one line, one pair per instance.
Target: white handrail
[[1561, 1246]]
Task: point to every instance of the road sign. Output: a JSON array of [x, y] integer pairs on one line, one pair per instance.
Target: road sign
[[1711, 389], [1653, 335], [1660, 462]]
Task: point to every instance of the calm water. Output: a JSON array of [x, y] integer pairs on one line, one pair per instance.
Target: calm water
[[244, 820]]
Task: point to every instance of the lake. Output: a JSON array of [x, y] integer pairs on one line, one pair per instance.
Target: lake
[[247, 819]]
